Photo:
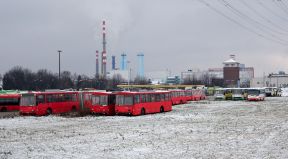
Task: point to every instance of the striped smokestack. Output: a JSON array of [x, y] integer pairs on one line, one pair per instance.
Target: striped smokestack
[[97, 64], [104, 55]]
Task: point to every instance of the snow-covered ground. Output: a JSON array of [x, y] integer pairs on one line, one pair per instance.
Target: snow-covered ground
[[204, 129]]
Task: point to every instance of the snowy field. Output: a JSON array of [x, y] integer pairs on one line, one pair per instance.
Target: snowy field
[[204, 129]]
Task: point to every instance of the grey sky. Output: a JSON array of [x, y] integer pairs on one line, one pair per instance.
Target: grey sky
[[175, 35]]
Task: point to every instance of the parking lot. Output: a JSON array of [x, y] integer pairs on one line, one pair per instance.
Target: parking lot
[[199, 129]]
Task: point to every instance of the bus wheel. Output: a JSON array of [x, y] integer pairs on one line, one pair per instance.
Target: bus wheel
[[142, 111], [4, 109], [49, 111], [161, 109]]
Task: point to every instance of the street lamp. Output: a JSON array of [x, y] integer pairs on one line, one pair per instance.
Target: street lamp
[[129, 73], [59, 51]]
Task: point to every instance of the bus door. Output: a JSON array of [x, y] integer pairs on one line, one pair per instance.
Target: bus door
[[111, 103], [40, 101]]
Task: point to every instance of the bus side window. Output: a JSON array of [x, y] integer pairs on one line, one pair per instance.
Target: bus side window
[[40, 99], [136, 99], [157, 97], [67, 97], [162, 96], [149, 99], [153, 98], [61, 98], [143, 98], [49, 98], [74, 97]]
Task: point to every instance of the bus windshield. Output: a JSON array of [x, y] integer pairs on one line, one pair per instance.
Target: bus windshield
[[237, 91], [219, 92], [27, 100], [254, 92], [9, 101], [124, 100]]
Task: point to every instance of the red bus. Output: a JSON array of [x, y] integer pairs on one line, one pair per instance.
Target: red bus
[[141, 103], [103, 103], [198, 94], [178, 97], [188, 94], [46, 103], [9, 102], [85, 101]]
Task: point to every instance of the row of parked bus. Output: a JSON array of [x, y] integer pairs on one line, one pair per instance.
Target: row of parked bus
[[98, 102], [250, 94]]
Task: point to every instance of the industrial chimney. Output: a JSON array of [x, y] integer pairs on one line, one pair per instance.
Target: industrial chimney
[[97, 64], [104, 54], [141, 65]]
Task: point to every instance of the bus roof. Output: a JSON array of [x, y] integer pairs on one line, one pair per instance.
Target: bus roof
[[9, 95], [61, 92], [148, 92], [102, 93]]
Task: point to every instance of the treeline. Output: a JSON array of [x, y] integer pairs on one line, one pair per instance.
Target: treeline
[[25, 79], [204, 79]]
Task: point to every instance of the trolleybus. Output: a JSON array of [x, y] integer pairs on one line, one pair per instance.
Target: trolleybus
[[9, 102], [178, 97], [46, 103], [256, 94], [103, 103], [141, 103]]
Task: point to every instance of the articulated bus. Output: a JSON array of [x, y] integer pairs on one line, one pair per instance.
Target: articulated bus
[[103, 103], [9, 102], [178, 97], [141, 103], [46, 103]]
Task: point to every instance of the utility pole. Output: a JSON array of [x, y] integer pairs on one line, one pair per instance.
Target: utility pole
[[59, 51]]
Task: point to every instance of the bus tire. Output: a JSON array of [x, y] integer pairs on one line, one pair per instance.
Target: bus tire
[[143, 111], [49, 111], [161, 109], [4, 109]]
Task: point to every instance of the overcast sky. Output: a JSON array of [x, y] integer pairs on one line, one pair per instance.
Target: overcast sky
[[174, 35]]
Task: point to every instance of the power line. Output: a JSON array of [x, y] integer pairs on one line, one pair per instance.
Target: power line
[[282, 7], [241, 25], [263, 17], [249, 19], [271, 11], [259, 26]]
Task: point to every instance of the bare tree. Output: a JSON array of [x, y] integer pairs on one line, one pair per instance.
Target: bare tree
[[116, 80], [141, 80], [19, 78]]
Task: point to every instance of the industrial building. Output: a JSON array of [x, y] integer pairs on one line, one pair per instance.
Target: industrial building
[[279, 80], [125, 71], [233, 74]]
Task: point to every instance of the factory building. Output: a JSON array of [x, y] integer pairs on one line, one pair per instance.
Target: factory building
[[279, 80], [233, 74]]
